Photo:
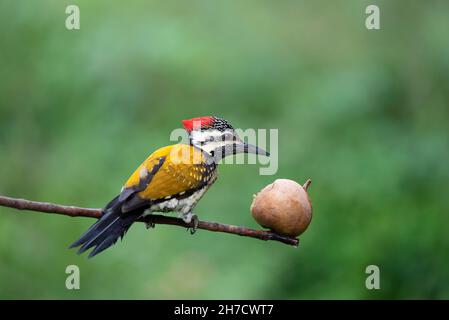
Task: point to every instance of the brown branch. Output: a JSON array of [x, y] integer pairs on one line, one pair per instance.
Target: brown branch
[[71, 211]]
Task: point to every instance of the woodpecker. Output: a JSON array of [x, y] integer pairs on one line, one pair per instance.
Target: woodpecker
[[172, 179]]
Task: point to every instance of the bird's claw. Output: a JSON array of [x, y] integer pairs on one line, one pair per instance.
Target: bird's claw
[[150, 225], [194, 222]]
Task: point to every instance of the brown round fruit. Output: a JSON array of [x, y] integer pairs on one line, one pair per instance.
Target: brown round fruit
[[284, 207]]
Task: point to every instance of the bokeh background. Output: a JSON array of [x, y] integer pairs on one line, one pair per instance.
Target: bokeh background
[[364, 114]]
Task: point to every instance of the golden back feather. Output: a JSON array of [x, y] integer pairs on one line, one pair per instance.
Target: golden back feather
[[185, 168]]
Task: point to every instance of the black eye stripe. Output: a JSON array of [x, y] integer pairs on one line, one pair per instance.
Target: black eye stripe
[[223, 137]]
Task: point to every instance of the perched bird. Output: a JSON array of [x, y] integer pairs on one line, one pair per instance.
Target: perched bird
[[172, 179]]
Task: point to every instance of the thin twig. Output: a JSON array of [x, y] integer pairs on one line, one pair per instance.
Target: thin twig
[[71, 211]]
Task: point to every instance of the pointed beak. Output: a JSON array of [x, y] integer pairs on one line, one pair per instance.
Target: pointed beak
[[249, 148]]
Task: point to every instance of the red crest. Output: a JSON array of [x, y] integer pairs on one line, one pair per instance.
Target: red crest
[[198, 123]]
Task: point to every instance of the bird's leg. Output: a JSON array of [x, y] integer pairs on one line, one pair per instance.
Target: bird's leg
[[191, 218]]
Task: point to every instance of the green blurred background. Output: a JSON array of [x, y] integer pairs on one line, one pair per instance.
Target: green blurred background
[[364, 114]]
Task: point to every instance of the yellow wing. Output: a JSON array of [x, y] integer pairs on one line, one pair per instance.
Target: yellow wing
[[170, 171]]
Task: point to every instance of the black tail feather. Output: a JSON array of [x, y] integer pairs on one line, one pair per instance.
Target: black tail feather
[[104, 233]]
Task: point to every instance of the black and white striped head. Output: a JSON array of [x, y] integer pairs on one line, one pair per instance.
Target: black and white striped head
[[217, 137]]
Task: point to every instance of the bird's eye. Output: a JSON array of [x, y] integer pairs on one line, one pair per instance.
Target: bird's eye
[[228, 136]]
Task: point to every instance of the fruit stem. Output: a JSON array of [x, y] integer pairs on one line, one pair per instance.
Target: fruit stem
[[307, 184]]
